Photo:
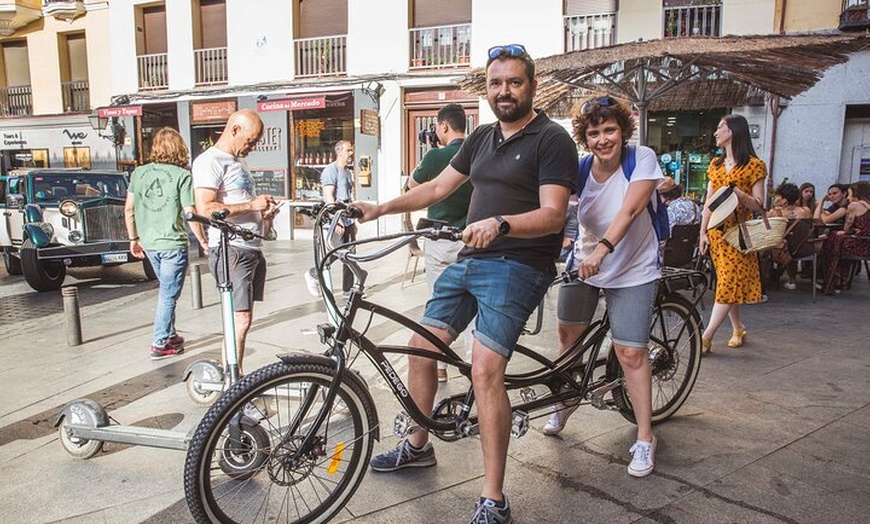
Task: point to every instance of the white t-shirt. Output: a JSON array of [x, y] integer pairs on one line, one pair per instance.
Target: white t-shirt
[[216, 169], [635, 260]]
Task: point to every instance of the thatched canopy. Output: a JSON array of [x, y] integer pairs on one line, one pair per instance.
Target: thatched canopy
[[688, 73]]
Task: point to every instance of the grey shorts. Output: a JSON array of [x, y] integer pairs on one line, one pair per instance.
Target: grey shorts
[[247, 273], [630, 309]]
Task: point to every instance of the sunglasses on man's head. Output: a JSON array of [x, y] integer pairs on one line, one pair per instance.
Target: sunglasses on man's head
[[510, 50], [603, 101]]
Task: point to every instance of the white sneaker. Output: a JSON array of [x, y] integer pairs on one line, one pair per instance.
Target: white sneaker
[[790, 286], [559, 418], [643, 458]]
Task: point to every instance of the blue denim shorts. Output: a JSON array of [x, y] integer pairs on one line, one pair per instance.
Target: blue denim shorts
[[630, 309], [501, 292]]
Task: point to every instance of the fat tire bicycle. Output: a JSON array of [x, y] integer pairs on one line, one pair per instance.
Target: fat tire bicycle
[[322, 422]]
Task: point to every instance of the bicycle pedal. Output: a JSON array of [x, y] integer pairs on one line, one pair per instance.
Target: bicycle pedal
[[404, 425], [528, 394], [519, 424], [596, 396]]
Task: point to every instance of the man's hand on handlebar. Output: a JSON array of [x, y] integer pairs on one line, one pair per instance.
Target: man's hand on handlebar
[[366, 210]]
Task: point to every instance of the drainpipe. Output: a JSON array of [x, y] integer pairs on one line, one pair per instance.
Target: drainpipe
[[775, 107]]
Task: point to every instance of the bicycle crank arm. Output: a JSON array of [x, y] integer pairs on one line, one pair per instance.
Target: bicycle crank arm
[[596, 396]]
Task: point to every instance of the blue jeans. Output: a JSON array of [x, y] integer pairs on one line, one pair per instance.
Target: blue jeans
[[501, 292], [169, 266]]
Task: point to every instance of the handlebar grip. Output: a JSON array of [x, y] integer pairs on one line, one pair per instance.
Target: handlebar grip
[[193, 217], [220, 214], [354, 212]]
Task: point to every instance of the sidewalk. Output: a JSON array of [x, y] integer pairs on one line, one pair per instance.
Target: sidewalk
[[772, 432]]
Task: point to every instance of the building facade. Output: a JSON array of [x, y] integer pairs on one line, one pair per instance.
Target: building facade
[[53, 65], [375, 73]]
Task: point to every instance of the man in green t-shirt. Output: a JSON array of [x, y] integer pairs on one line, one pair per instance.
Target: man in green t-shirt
[[157, 194], [438, 254]]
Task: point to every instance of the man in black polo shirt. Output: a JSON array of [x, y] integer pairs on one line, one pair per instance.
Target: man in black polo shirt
[[523, 169]]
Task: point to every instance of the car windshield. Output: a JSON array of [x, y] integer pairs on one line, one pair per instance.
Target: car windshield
[[50, 187]]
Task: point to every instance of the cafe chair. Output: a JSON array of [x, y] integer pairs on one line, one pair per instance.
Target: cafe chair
[[856, 261], [681, 249]]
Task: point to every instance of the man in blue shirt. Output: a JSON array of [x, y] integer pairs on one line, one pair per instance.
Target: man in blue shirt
[[337, 182]]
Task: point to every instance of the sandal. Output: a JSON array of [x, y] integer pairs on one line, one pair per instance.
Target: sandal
[[738, 337], [706, 345]]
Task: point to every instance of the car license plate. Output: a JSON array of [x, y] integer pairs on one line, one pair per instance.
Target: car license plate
[[111, 258]]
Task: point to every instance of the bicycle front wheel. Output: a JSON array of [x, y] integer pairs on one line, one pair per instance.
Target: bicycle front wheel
[[675, 352], [245, 463]]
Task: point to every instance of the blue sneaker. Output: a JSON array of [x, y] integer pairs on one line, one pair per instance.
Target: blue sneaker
[[404, 456], [487, 512]]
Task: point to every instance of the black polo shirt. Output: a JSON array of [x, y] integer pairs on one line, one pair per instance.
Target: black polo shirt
[[507, 175]]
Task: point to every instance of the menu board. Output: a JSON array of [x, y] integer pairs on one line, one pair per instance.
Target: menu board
[[270, 181]]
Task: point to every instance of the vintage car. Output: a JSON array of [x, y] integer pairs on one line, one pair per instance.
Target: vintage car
[[60, 218]]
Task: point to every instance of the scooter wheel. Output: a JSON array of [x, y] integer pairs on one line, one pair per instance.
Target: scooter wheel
[[204, 371], [87, 413]]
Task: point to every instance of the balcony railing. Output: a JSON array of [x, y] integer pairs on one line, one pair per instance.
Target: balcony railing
[[441, 47], [76, 96], [211, 66], [321, 56], [855, 15], [16, 101], [153, 71], [590, 31], [696, 20]]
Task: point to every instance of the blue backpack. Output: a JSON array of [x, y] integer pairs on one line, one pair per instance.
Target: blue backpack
[[658, 211]]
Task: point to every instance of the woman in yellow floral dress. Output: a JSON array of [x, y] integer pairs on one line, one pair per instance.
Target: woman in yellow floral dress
[[738, 277]]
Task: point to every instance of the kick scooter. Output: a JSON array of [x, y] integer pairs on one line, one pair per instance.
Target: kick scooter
[[83, 424]]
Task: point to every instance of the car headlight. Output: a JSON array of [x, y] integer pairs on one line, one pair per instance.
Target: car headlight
[[75, 236], [48, 228], [68, 208]]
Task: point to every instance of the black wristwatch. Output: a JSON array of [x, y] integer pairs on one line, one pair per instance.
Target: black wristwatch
[[504, 227]]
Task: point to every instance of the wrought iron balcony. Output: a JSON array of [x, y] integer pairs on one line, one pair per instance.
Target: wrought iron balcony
[[211, 66], [16, 101], [590, 31], [66, 10], [855, 15], [321, 56], [696, 20], [441, 47], [76, 96], [153, 71]]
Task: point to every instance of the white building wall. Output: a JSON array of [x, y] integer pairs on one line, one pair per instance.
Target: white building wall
[[179, 44], [377, 39], [259, 41], [638, 19], [809, 143], [125, 71], [748, 17]]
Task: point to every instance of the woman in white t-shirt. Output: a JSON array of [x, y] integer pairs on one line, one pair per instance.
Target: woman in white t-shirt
[[618, 254]]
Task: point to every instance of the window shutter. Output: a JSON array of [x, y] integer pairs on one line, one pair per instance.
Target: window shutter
[[590, 7]]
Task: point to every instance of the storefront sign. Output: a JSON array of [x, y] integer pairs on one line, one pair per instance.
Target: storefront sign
[[113, 112], [292, 104], [14, 139], [75, 137], [205, 112], [369, 124], [269, 181], [271, 139]]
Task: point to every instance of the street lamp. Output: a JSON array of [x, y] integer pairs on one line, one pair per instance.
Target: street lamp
[[98, 123]]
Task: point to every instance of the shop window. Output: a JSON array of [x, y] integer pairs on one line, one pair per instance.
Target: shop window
[[77, 157]]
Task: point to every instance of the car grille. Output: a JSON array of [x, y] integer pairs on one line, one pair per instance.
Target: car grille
[[104, 223]]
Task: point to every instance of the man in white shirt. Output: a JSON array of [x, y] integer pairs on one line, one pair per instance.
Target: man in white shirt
[[222, 180]]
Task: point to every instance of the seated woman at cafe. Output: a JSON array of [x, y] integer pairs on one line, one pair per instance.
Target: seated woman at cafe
[[831, 209], [808, 196], [681, 209], [786, 201], [839, 243]]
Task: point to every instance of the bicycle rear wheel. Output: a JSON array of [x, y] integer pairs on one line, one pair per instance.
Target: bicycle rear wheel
[[675, 343], [233, 475]]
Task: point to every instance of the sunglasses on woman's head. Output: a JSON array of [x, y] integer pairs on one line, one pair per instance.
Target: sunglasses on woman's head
[[603, 101]]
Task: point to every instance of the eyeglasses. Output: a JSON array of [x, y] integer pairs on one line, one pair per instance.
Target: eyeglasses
[[510, 50], [603, 101]]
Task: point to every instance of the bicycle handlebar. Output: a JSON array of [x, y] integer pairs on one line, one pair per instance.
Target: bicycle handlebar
[[218, 220]]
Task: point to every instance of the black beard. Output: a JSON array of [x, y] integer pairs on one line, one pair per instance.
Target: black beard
[[517, 112]]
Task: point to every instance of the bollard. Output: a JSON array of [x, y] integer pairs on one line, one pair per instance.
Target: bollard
[[73, 317], [195, 286]]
